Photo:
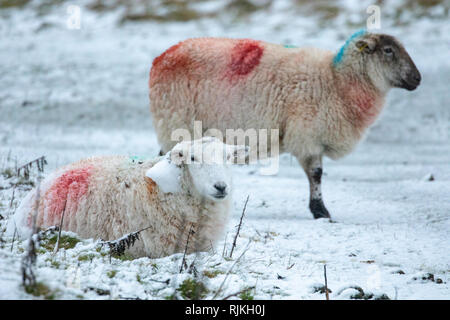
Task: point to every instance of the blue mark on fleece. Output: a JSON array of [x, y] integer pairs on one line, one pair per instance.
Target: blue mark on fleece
[[290, 46], [338, 57]]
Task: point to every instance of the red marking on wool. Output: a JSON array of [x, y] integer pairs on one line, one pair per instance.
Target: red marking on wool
[[245, 56], [169, 62], [66, 193]]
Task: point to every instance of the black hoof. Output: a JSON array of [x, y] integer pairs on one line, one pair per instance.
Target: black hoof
[[318, 209]]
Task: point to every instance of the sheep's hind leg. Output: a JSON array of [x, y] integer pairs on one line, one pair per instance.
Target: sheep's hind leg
[[313, 170]]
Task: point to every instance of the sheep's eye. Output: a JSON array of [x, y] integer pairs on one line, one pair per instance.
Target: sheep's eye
[[192, 158], [387, 50]]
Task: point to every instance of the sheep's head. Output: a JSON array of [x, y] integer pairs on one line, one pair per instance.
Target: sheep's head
[[387, 62], [204, 164], [380, 57]]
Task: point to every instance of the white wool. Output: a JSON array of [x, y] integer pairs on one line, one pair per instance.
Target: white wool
[[18, 223], [166, 175]]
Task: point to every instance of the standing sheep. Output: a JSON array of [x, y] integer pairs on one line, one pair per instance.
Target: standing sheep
[[107, 197], [321, 102]]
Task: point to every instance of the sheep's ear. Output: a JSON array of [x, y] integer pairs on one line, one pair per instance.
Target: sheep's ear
[[238, 154], [166, 175], [366, 45]]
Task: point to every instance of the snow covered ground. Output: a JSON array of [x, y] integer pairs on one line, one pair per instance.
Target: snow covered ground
[[69, 94]]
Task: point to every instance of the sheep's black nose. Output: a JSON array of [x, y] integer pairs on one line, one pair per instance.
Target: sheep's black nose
[[220, 186]]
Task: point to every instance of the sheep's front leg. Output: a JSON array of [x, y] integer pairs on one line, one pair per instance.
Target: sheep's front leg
[[313, 169]]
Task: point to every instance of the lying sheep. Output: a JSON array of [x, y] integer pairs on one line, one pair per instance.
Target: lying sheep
[[321, 102], [107, 197]]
